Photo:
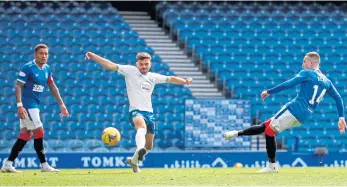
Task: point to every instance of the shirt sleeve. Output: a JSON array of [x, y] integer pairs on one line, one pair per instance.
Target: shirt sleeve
[[338, 100], [23, 74], [125, 69], [50, 77], [299, 78], [159, 79]]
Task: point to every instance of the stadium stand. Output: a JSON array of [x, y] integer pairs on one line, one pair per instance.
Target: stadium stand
[[247, 46], [251, 46], [96, 98]]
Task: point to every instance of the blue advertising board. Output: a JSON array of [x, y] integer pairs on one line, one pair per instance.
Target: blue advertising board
[[178, 160]]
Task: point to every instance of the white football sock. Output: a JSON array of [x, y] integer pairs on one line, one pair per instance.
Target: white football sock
[[140, 140]]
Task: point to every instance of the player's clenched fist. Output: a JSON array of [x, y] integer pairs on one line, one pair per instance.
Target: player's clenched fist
[[264, 95], [63, 111], [189, 80], [342, 125], [89, 55]]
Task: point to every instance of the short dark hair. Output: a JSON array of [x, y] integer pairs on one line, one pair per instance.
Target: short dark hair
[[142, 56], [39, 46]]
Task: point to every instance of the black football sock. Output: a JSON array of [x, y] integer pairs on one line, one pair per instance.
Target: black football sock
[[254, 130], [271, 148], [40, 151], [16, 149]]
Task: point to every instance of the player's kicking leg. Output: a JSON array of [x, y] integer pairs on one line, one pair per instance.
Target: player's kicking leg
[[140, 139], [270, 142], [254, 130], [142, 152]]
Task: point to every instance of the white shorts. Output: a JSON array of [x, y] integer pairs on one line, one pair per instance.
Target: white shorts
[[32, 119], [283, 120]]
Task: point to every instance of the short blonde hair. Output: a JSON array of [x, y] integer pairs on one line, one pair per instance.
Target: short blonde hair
[[313, 56], [142, 56]]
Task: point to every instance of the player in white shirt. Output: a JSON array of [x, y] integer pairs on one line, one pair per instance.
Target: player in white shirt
[[140, 84]]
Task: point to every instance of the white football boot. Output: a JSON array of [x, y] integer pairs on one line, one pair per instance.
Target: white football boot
[[9, 169], [135, 167], [48, 168], [271, 168], [230, 134]]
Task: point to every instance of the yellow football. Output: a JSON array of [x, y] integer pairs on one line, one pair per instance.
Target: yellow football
[[110, 136]]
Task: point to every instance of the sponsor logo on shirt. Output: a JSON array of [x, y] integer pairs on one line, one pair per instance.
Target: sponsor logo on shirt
[[38, 88], [145, 85]]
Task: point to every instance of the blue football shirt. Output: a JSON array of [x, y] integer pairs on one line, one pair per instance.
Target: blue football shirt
[[313, 86], [35, 79]]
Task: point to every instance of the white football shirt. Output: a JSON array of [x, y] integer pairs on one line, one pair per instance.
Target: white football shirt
[[140, 87]]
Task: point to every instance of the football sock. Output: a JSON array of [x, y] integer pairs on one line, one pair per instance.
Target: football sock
[[254, 130], [140, 140], [271, 148], [40, 151], [16, 149]]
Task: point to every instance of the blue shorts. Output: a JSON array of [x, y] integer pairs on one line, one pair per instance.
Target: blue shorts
[[147, 116]]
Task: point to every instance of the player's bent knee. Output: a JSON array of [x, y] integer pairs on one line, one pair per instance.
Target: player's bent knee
[[269, 131], [38, 133], [267, 122]]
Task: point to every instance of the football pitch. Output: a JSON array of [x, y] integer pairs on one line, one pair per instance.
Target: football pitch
[[179, 177]]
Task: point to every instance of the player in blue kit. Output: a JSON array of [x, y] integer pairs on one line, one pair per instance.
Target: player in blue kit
[[31, 81], [313, 86]]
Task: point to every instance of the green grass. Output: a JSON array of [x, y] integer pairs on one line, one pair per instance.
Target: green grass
[[179, 177]]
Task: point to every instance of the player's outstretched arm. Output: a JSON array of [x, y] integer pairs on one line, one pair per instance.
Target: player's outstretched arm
[[18, 91], [102, 61], [300, 77], [55, 92], [178, 80]]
